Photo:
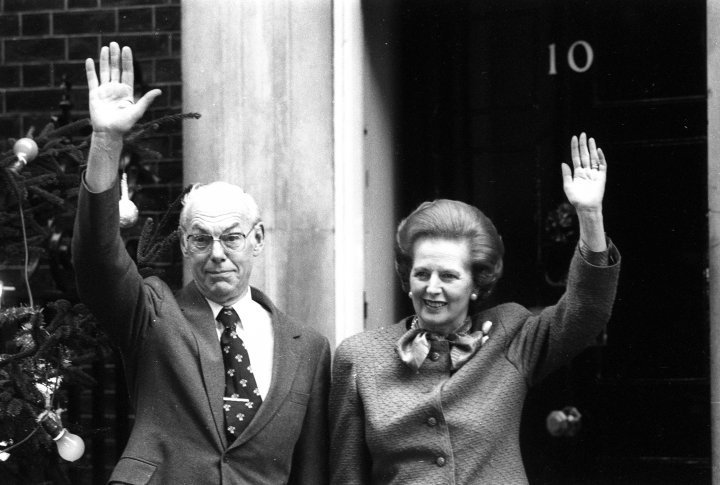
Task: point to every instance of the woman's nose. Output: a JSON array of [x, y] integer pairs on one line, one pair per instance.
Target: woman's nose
[[434, 287]]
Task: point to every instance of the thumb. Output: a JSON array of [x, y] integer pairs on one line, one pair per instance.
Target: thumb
[[144, 103]]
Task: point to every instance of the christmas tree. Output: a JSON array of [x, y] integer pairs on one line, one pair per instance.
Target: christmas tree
[[44, 347]]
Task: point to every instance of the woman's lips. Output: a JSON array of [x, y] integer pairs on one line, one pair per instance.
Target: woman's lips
[[434, 304]]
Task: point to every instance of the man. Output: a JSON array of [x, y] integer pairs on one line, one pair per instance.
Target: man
[[203, 413]]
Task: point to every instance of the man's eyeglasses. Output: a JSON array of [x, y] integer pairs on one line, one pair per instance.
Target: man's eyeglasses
[[233, 241]]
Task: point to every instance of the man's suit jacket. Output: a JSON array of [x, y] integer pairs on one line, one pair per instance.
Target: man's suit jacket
[[175, 374]]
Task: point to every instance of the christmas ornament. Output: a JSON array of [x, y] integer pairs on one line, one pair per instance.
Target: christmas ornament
[[25, 150], [70, 447], [128, 210]]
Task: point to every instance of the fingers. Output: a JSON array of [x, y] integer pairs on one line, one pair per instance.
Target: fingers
[[574, 152], [114, 62], [566, 174], [104, 64], [584, 154], [594, 162], [128, 74], [112, 59], [92, 79], [602, 163]]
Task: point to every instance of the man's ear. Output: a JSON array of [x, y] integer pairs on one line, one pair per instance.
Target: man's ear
[[258, 239], [183, 242]]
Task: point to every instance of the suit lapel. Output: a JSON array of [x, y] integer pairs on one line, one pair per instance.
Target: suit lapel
[[198, 313], [285, 364]]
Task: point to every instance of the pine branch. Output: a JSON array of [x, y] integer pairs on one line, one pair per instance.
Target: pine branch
[[152, 246], [145, 153], [146, 236], [147, 129], [53, 199], [69, 129], [44, 179], [45, 131], [28, 348], [12, 180]]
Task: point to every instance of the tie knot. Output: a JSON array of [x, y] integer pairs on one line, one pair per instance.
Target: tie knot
[[228, 317]]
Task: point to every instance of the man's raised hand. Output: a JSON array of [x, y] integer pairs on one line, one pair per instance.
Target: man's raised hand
[[113, 109]]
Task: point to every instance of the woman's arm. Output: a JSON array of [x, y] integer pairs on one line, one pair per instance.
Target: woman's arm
[[350, 462], [548, 340]]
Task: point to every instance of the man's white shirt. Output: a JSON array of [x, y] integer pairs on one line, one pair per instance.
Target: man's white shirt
[[255, 329]]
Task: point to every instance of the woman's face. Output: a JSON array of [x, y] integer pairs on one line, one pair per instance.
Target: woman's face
[[441, 283]]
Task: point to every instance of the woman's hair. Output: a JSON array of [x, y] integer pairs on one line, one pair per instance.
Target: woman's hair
[[452, 219]]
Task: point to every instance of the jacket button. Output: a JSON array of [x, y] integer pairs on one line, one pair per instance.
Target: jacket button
[[431, 421], [434, 356], [440, 461], [225, 459]]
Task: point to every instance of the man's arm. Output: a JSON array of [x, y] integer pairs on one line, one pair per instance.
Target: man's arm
[[310, 460], [107, 279], [113, 112]]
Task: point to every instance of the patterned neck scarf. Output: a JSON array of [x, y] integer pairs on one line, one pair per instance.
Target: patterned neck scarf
[[414, 346]]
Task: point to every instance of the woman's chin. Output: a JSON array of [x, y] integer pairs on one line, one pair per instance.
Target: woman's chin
[[434, 322]]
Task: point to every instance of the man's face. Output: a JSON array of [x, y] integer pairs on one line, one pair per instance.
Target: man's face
[[221, 274]]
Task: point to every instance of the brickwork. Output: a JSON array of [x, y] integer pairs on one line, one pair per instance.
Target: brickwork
[[43, 45]]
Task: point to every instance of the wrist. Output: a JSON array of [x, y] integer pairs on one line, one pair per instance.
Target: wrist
[[107, 139], [593, 214], [592, 230]]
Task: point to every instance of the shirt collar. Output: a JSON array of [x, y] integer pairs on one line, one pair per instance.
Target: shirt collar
[[241, 307]]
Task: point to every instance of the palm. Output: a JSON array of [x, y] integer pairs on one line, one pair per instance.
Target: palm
[[584, 185], [110, 109], [111, 103]]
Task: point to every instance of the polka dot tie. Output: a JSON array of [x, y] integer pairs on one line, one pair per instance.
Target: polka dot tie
[[242, 397]]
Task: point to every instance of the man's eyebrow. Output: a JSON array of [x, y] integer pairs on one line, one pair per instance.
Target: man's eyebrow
[[236, 227]]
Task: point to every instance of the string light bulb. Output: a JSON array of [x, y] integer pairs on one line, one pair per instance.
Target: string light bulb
[[128, 209], [70, 447], [25, 149]]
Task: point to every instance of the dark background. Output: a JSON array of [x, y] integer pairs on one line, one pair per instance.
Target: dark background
[[482, 120]]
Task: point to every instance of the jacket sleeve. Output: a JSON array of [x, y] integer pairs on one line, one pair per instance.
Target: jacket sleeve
[[350, 461], [559, 332], [108, 281], [310, 458]]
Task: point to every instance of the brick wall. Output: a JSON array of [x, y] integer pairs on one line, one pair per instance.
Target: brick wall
[[43, 45]]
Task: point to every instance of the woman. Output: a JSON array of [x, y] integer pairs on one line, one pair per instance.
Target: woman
[[437, 397]]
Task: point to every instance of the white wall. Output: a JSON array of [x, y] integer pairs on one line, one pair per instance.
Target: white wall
[[260, 73]]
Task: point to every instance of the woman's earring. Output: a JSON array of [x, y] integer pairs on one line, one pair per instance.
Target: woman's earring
[[473, 296], [410, 294]]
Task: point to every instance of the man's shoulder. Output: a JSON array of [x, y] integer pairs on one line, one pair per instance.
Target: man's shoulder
[[285, 322]]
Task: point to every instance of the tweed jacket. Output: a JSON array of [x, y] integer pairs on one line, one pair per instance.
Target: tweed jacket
[[390, 424], [175, 374]]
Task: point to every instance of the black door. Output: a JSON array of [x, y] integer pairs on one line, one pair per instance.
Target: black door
[[490, 94]]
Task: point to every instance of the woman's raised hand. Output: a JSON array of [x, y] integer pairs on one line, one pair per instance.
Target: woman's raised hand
[[584, 184], [112, 105]]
